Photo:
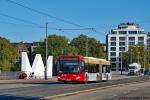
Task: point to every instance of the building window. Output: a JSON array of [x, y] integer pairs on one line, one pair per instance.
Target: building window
[[113, 66], [121, 48], [122, 32], [113, 48], [131, 38], [113, 43], [121, 43], [113, 54], [113, 38], [132, 32], [141, 32], [112, 59], [113, 32], [122, 38], [141, 43], [140, 38], [131, 43]]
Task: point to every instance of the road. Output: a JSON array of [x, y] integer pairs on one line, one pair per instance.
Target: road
[[50, 90], [136, 91]]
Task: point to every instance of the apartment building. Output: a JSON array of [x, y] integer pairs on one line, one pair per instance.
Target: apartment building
[[119, 40]]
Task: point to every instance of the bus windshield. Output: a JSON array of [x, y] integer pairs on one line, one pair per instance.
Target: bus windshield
[[131, 67], [68, 66]]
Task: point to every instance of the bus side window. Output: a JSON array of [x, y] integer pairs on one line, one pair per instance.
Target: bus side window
[[86, 67], [97, 68], [82, 68], [103, 68], [108, 69]]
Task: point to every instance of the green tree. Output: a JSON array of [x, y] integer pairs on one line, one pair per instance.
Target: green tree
[[71, 50], [8, 55], [138, 54], [95, 48], [56, 46]]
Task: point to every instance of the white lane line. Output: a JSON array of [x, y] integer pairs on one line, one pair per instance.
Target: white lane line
[[112, 96]]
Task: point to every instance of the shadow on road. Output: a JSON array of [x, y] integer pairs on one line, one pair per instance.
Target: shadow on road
[[8, 97], [48, 83]]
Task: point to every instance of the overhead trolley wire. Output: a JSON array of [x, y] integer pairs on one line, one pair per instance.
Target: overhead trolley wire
[[21, 20], [43, 13], [51, 16]]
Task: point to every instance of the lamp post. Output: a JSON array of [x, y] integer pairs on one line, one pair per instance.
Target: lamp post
[[121, 62], [46, 52], [131, 56]]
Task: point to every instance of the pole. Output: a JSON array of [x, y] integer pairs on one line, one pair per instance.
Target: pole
[[87, 46], [131, 56], [138, 57], [121, 62], [46, 53]]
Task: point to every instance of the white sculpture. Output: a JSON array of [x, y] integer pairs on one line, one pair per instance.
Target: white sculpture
[[37, 70]]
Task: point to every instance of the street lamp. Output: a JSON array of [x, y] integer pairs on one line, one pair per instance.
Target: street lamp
[[46, 53], [131, 56], [121, 62]]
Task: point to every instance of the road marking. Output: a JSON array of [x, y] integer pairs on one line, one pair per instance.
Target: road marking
[[112, 96], [89, 90]]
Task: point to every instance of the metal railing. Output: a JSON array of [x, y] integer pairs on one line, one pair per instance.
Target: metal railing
[[9, 75]]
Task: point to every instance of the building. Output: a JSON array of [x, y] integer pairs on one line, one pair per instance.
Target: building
[[148, 41], [25, 47], [119, 40]]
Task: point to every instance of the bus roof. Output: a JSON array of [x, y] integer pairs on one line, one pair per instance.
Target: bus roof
[[89, 60], [92, 60]]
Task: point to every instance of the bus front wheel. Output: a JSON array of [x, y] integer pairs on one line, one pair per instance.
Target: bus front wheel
[[65, 82]]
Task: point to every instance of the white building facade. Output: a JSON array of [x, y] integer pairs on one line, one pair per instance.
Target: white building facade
[[119, 40]]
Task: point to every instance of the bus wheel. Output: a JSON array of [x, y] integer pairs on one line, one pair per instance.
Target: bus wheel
[[97, 78], [65, 82], [86, 79], [106, 78]]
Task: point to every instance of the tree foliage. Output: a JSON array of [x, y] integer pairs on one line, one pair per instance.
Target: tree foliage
[[56, 46], [59, 45], [138, 54], [94, 47], [8, 55]]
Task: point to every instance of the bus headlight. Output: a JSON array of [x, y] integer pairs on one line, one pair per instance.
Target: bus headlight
[[78, 77]]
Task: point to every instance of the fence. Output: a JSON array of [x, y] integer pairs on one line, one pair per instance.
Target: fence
[[9, 75]]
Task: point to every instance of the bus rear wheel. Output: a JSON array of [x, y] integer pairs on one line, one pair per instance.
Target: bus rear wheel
[[86, 79]]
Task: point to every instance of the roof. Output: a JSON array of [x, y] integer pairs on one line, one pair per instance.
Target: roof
[[92, 60]]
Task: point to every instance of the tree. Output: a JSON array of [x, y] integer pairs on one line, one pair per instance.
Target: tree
[[71, 50], [56, 46], [138, 54], [8, 55], [95, 48]]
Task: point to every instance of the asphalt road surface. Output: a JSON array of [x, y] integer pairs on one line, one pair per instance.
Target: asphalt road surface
[[136, 91], [53, 90]]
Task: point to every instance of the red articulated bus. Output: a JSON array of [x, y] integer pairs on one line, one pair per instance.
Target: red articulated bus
[[82, 69]]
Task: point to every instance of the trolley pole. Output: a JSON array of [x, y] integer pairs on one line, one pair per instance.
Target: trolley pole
[[46, 52]]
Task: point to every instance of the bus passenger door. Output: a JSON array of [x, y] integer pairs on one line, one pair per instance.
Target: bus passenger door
[[104, 73]]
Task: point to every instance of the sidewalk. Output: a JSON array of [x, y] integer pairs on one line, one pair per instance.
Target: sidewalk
[[115, 76], [26, 81]]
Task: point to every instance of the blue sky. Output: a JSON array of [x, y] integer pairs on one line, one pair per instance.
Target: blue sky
[[103, 15]]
